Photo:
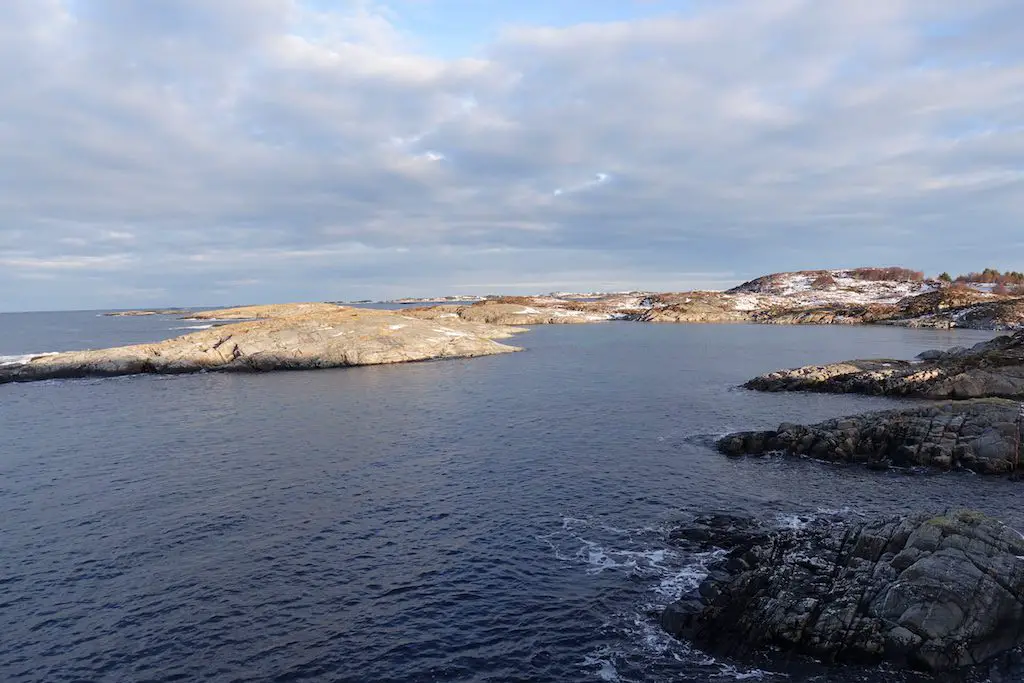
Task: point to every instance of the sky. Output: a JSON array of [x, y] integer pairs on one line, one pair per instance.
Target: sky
[[217, 152]]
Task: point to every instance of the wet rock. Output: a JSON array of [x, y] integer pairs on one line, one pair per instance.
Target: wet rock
[[978, 435], [928, 592], [719, 530]]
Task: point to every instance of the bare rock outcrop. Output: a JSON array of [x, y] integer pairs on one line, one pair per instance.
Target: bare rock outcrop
[[981, 435], [990, 369], [316, 338], [927, 592], [518, 311], [836, 314], [694, 307], [858, 296], [265, 311], [965, 311], [940, 300]]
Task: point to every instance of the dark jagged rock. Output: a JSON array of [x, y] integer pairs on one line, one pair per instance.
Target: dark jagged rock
[[719, 530], [979, 435], [933, 593], [993, 368]]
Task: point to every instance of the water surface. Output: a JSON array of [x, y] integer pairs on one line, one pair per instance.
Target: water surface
[[494, 519]]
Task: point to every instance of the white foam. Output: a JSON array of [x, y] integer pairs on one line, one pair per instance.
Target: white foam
[[23, 359], [641, 552], [600, 559], [606, 669], [833, 512], [682, 581], [193, 327], [793, 522], [730, 671]]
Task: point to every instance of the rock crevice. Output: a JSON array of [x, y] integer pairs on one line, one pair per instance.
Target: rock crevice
[[979, 435], [929, 592]]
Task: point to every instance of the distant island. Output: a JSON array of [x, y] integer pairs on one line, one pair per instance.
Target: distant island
[[990, 300], [146, 312]]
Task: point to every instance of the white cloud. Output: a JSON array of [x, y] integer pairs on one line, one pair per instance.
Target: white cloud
[[184, 141]]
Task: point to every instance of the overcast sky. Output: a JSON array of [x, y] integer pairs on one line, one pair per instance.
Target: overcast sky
[[189, 152]]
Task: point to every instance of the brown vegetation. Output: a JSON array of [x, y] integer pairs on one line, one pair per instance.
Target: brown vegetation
[[520, 300], [993, 276], [891, 273], [823, 281]]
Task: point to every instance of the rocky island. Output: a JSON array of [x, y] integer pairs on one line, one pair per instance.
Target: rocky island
[[932, 592], [146, 312], [285, 338]]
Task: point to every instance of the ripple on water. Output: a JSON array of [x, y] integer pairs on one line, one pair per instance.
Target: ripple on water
[[496, 519]]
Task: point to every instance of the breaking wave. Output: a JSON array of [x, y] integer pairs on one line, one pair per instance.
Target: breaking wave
[[25, 358], [641, 649]]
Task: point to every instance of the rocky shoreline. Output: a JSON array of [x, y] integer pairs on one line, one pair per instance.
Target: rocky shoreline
[[929, 592], [990, 369], [979, 435], [936, 593]]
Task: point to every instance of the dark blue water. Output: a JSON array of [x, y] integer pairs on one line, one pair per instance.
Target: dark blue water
[[493, 519]]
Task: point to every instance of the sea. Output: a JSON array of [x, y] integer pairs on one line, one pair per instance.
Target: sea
[[502, 518]]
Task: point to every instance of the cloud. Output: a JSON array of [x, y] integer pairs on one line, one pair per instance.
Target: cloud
[[272, 150]]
